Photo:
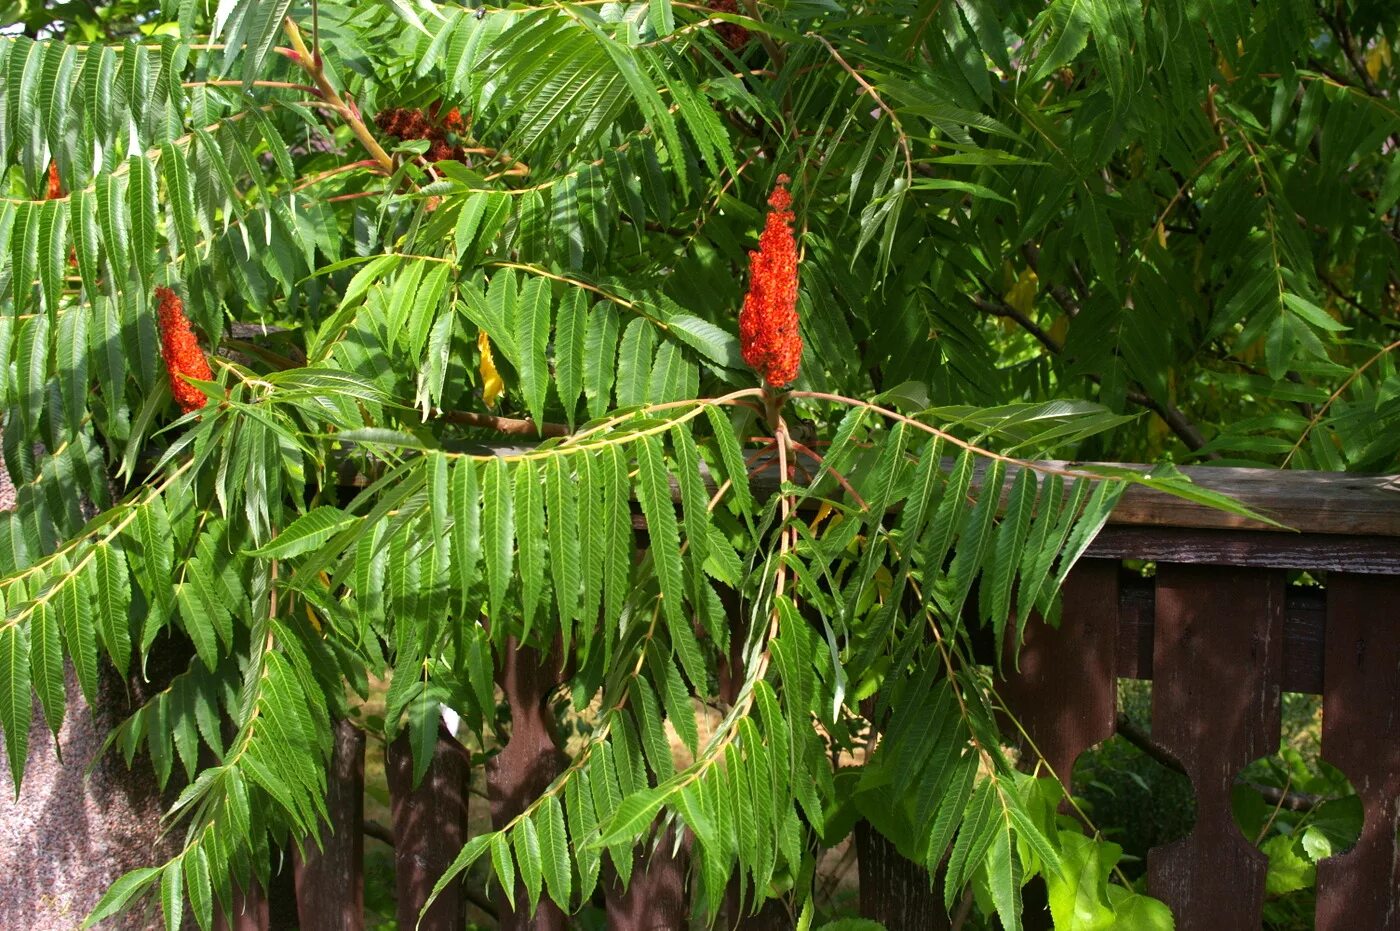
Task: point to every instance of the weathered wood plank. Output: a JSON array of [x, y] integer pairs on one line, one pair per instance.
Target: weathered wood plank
[[1313, 502], [1335, 503], [1361, 737], [1215, 708], [1366, 555]]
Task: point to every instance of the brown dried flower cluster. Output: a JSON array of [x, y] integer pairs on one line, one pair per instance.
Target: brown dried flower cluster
[[734, 35], [181, 351], [445, 136], [768, 326]]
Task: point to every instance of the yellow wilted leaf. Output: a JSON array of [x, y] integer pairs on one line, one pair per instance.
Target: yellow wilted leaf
[[492, 387], [1378, 59], [1225, 68], [1022, 294], [823, 513], [884, 581], [310, 614]]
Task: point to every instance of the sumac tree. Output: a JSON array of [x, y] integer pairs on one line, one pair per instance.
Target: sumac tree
[[373, 332]]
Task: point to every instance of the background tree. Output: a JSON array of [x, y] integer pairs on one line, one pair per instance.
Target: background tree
[[407, 232]]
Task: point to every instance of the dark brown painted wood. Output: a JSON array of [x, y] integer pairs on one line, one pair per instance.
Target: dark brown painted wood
[[1361, 737], [1137, 603], [655, 899], [258, 909], [1215, 707], [894, 890], [1304, 635], [1304, 628], [1304, 625], [250, 911], [330, 882], [523, 769], [1364, 554], [430, 827], [1066, 713]]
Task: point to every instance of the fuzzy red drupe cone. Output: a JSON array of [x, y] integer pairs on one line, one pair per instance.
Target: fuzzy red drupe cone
[[768, 331], [181, 352], [55, 183]]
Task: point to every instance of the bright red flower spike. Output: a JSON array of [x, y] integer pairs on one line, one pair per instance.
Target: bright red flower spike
[[181, 351], [768, 330]]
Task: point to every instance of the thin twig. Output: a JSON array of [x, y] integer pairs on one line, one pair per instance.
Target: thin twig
[[1353, 302], [1317, 418], [332, 172], [564, 279], [378, 831], [946, 436], [510, 426], [841, 479], [879, 101], [1175, 420], [313, 66], [276, 85], [1006, 311]]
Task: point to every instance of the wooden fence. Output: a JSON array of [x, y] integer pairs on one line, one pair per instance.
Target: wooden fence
[[1219, 630]]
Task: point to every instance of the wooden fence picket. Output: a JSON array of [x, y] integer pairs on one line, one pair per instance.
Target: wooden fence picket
[[1215, 708], [1361, 737], [430, 827], [523, 769], [330, 882]]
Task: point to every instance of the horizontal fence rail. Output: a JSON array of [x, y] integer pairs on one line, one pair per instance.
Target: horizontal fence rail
[[1218, 628]]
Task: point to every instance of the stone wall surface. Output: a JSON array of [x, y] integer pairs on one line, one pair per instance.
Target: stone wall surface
[[71, 832]]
